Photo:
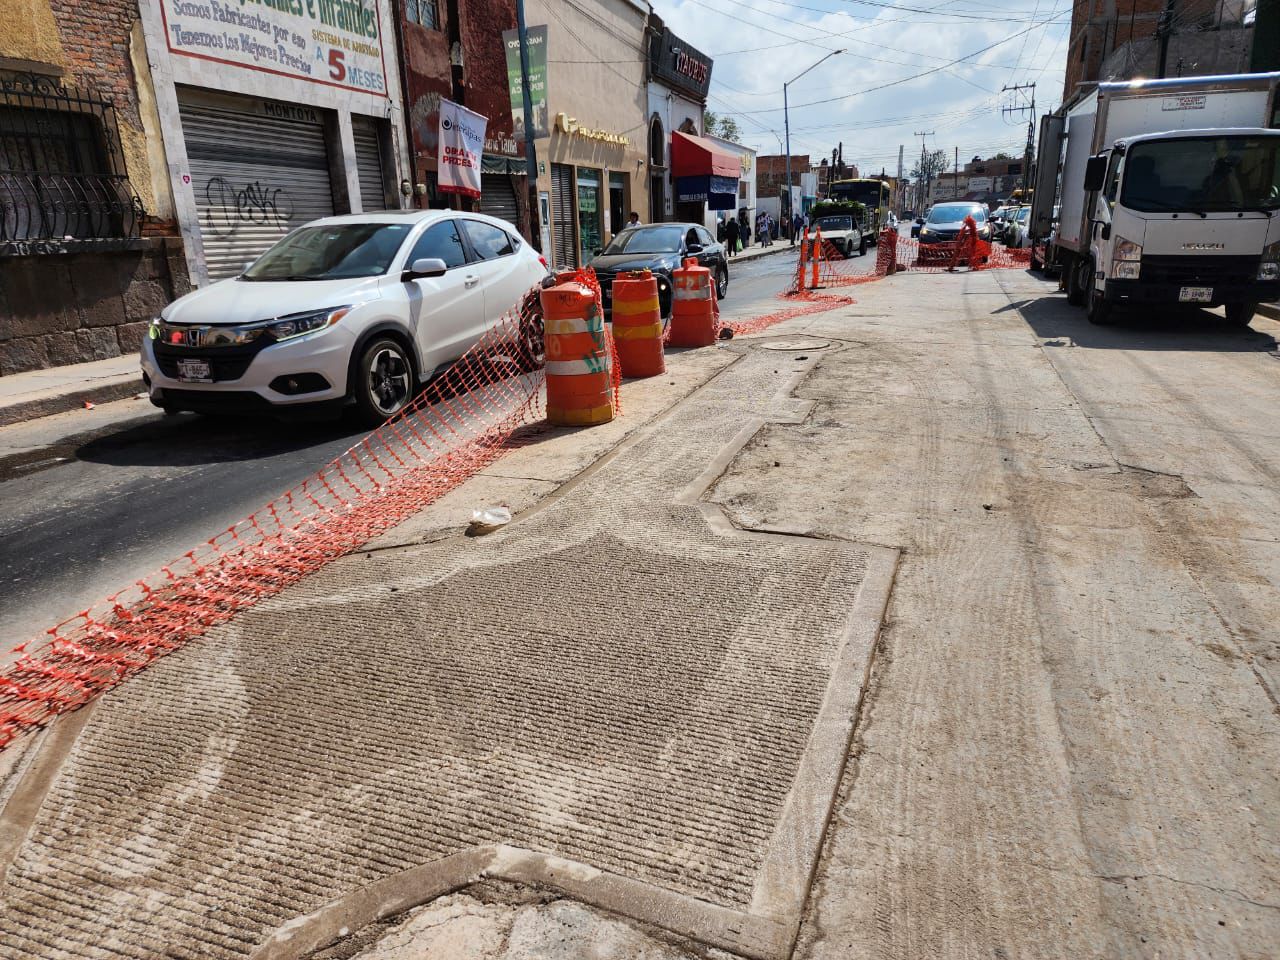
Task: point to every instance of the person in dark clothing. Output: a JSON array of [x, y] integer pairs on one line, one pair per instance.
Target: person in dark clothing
[[744, 230], [731, 237], [720, 230]]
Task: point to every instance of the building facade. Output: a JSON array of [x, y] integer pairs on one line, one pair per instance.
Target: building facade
[[272, 114], [1158, 38], [89, 250], [592, 164], [457, 50], [679, 76]]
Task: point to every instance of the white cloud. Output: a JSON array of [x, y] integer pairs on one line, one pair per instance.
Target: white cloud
[[960, 103]]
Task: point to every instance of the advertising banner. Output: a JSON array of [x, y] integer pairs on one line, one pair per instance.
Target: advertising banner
[[461, 146], [334, 42], [537, 47]]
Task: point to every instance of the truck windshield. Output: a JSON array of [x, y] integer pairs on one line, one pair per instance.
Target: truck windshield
[[1222, 174]]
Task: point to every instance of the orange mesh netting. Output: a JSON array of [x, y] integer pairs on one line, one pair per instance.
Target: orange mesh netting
[[459, 424]]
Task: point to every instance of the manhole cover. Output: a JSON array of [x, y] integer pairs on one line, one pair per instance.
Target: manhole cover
[[787, 346]]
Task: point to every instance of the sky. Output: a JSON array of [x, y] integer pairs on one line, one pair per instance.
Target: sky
[[940, 65]]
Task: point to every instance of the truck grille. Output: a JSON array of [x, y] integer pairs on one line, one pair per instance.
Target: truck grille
[[1199, 271]]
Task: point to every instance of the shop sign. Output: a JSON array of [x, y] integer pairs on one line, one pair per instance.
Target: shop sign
[[334, 42], [536, 45], [569, 125], [981, 184], [461, 145], [679, 65]]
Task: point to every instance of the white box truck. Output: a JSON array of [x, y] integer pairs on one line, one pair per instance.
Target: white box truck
[[1167, 192]]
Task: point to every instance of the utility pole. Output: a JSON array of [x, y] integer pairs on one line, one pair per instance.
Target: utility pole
[[530, 150], [1028, 108], [924, 196], [1164, 29], [898, 191], [955, 178]]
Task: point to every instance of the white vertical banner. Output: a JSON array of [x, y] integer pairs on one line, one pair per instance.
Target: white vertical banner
[[461, 143]]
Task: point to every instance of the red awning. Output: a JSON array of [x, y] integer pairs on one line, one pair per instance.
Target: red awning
[[698, 157]]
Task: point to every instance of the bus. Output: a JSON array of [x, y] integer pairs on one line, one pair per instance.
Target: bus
[[871, 193]]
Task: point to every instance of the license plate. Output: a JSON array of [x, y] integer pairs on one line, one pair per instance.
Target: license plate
[[1195, 294], [194, 371]]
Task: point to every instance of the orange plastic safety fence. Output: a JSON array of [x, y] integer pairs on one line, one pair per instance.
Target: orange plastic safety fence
[[459, 424]]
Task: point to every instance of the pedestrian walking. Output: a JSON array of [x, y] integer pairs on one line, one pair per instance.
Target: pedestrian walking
[[720, 229], [731, 237], [797, 224], [744, 225]]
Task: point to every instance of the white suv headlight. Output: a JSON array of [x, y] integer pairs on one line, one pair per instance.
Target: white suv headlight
[[286, 328]]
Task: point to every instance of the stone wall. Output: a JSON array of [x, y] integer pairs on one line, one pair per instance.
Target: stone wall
[[57, 309]]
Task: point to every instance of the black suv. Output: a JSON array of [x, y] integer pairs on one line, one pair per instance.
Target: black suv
[[660, 247]]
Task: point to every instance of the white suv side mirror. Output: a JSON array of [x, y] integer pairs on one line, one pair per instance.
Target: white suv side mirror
[[425, 267]]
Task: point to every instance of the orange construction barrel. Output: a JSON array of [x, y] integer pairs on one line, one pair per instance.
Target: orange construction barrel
[[637, 324], [693, 313], [579, 381]]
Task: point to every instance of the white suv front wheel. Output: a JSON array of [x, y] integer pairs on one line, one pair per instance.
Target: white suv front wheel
[[384, 382]]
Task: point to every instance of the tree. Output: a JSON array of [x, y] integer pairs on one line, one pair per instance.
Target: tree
[[724, 127], [1001, 156], [929, 166]]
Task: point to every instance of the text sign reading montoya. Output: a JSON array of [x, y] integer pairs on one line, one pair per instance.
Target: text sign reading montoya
[[334, 42]]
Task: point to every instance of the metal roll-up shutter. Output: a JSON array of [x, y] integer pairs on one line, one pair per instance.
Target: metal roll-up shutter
[[373, 192], [498, 199], [563, 235], [255, 178]]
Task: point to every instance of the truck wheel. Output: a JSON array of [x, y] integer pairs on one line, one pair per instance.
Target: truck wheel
[[1075, 284], [1099, 311], [1240, 314], [862, 245]]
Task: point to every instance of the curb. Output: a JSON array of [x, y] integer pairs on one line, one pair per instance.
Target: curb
[[1270, 310], [102, 391], [782, 248]]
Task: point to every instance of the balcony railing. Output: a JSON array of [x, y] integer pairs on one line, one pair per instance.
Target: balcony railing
[[39, 206]]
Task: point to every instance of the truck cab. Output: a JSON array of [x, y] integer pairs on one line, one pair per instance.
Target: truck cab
[[1184, 217]]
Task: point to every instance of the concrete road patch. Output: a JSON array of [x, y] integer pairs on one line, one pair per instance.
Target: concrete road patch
[[618, 695]]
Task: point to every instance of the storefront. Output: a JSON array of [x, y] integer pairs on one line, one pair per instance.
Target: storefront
[[705, 178], [285, 118], [745, 208], [591, 166], [679, 78]]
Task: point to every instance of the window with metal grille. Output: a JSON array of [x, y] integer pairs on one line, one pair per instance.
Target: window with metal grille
[[424, 12], [61, 174]]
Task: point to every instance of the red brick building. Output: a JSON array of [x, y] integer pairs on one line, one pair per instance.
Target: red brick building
[[1154, 38], [88, 251], [454, 49]]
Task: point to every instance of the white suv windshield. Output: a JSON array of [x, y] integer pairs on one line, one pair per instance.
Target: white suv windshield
[[338, 251]]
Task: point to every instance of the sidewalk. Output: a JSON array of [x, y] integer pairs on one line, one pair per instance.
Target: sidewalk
[[755, 251], [39, 393]]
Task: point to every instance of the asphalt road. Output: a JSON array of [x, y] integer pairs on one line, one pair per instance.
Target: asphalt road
[[92, 500]]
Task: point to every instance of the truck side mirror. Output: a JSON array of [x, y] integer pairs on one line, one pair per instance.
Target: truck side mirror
[[1095, 173]]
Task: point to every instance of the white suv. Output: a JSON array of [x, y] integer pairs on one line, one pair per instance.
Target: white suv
[[360, 308]]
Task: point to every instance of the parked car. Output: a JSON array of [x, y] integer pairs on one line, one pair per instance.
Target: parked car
[[944, 222], [843, 231], [999, 217], [660, 247], [1015, 233], [358, 309]]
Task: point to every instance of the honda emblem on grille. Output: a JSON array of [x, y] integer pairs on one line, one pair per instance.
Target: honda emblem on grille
[[193, 337], [1204, 246]]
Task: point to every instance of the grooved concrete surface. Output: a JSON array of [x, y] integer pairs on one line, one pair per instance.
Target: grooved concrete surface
[[607, 680]]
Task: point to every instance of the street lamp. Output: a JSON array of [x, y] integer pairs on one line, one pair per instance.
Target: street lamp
[[786, 122]]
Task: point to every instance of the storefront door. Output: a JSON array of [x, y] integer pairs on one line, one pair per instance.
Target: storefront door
[[589, 229], [617, 202]]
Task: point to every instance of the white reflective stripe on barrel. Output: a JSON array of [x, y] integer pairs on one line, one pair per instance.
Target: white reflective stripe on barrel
[[576, 368]]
